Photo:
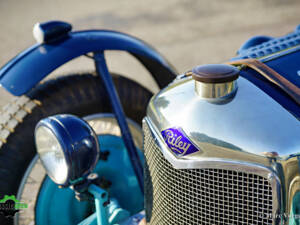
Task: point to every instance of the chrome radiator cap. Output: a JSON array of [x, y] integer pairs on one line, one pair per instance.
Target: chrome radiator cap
[[214, 81]]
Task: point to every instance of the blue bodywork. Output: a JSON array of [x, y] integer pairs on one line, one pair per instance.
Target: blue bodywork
[[256, 40], [263, 46], [28, 68], [54, 202], [102, 71], [281, 54], [124, 167]]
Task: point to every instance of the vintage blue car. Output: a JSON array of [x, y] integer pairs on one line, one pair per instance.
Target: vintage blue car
[[219, 144]]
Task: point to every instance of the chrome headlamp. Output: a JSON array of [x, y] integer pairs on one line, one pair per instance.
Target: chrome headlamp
[[68, 148]]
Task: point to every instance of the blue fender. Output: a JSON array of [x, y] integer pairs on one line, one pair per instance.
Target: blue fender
[[29, 67]]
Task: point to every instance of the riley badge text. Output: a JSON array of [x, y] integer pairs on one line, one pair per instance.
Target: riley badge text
[[178, 142]]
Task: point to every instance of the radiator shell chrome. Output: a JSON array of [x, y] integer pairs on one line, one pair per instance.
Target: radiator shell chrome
[[251, 123], [188, 204]]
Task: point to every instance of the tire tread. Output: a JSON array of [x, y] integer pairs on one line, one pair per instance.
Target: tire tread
[[76, 94]]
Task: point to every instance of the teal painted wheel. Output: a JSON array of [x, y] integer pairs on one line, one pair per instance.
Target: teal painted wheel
[[81, 95], [53, 202]]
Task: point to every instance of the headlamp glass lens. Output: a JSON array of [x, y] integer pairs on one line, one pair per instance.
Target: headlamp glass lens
[[51, 154]]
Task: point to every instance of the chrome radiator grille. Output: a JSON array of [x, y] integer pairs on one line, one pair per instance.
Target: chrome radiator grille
[[202, 196]]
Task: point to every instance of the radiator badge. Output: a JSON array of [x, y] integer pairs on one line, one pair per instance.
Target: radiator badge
[[178, 142]]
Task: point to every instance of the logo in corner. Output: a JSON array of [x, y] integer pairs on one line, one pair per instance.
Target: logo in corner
[[9, 205], [178, 142]]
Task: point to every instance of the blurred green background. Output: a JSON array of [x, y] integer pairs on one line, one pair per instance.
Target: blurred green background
[[186, 32]]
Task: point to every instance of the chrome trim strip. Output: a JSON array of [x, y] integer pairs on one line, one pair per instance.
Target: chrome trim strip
[[219, 163]]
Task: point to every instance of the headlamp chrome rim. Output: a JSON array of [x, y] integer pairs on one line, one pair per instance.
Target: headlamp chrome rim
[[74, 145], [49, 123]]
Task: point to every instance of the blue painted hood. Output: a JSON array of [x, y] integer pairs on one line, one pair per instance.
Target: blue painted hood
[[282, 54]]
